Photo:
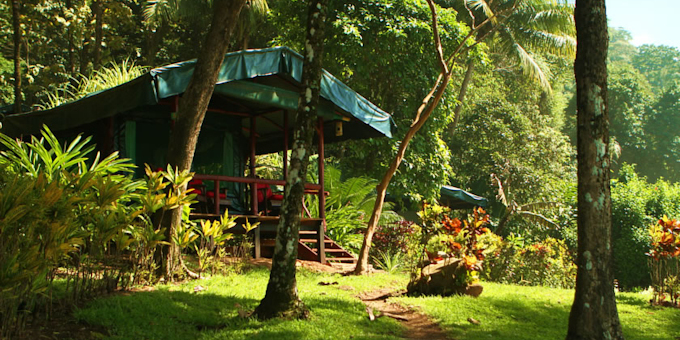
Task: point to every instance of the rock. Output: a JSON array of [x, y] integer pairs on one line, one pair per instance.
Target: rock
[[474, 290], [444, 278]]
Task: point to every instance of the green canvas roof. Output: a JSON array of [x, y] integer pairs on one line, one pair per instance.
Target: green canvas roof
[[263, 78], [456, 198]]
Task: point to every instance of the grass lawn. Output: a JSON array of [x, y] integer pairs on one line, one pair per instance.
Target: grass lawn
[[505, 312], [177, 312], [519, 312]]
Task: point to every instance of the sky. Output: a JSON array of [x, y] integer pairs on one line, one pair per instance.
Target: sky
[[650, 22]]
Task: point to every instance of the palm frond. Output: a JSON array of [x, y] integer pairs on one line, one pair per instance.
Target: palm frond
[[533, 69], [160, 10]]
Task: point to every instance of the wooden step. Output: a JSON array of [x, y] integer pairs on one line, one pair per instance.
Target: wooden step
[[336, 250], [341, 259], [313, 240]]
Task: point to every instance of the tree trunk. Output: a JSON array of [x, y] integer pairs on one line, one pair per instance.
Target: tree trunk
[[192, 108], [153, 43], [98, 9], [281, 298], [71, 54], [461, 94], [16, 24], [428, 105], [593, 314]]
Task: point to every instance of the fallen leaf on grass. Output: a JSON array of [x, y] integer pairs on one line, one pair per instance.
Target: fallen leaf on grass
[[322, 283], [473, 321]]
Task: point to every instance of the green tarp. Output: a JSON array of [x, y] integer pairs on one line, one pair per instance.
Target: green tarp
[[236, 68], [456, 198]]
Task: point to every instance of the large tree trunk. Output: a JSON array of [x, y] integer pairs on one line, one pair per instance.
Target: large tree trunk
[[16, 24], [593, 314], [428, 105], [192, 108], [282, 298]]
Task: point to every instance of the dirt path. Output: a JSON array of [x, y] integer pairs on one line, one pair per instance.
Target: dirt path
[[418, 326]]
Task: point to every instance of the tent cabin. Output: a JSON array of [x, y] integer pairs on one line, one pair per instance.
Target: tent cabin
[[251, 112]]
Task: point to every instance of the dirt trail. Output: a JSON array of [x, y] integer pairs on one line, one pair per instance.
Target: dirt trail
[[418, 326]]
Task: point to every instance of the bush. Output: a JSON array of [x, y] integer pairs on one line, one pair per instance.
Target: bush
[[545, 263], [635, 205]]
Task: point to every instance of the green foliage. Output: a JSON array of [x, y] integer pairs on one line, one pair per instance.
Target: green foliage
[[635, 205], [113, 75], [348, 208], [546, 263], [56, 209]]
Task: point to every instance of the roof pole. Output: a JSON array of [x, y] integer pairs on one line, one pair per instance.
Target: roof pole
[[253, 186], [285, 144]]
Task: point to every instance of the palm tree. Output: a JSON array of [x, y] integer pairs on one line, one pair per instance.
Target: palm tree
[[531, 29]]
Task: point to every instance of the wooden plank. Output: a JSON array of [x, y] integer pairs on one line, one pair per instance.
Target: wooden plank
[[258, 243], [321, 245]]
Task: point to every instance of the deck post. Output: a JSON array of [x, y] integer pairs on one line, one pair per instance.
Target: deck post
[[322, 197], [321, 245], [320, 242], [285, 145], [253, 186], [257, 242]]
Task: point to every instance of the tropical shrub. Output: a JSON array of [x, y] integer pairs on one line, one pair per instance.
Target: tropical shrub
[[81, 220], [545, 263], [444, 237], [58, 209], [396, 246], [664, 260], [636, 203]]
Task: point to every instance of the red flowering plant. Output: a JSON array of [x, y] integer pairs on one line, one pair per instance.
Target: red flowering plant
[[452, 238], [664, 261]]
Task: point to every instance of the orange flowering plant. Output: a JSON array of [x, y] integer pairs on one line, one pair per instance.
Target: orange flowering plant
[[664, 260], [446, 237]]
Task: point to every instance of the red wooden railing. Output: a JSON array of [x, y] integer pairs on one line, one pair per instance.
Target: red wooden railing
[[310, 188]]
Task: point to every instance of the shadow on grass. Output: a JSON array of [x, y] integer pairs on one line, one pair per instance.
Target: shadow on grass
[[513, 319], [177, 315]]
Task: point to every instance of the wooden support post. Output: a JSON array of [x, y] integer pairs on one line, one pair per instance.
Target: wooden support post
[[253, 186], [216, 199], [285, 144], [322, 197], [320, 243], [257, 242]]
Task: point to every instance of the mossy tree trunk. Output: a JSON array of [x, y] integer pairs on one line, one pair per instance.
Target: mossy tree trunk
[[593, 314], [281, 298], [192, 108]]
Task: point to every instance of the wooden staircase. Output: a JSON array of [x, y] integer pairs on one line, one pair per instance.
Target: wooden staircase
[[333, 251]]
